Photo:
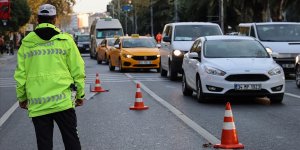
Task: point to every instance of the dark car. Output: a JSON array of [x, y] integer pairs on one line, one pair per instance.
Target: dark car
[[83, 43], [297, 71]]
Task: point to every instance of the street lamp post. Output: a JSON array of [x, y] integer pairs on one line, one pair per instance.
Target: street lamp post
[[151, 14]]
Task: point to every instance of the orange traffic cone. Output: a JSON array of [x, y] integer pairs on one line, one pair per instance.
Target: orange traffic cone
[[229, 138], [98, 87], [138, 104]]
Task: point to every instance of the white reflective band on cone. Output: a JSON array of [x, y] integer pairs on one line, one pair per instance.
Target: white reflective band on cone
[[228, 126], [138, 90], [138, 99], [228, 113]]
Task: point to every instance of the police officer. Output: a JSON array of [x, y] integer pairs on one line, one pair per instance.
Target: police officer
[[48, 64]]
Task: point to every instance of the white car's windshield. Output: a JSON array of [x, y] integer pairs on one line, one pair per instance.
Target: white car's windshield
[[108, 33], [234, 49], [139, 42], [192, 32], [279, 32]]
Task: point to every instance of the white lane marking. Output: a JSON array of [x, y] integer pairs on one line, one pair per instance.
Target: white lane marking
[[209, 137], [8, 113], [15, 106], [292, 95]]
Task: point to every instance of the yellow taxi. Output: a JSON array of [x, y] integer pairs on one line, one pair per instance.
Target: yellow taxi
[[134, 52], [103, 49]]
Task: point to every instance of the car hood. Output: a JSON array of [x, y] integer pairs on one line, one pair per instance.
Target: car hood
[[182, 45], [246, 64], [283, 47], [141, 51]]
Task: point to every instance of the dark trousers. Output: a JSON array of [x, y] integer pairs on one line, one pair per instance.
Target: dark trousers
[[67, 123]]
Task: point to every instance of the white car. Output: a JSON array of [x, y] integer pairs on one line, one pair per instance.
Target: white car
[[230, 66]]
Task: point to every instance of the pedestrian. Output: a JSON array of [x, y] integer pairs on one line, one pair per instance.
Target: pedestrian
[[158, 37], [2, 44], [49, 64], [10, 49]]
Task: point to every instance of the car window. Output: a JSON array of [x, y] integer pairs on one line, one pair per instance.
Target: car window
[[194, 46], [192, 32], [139, 42], [279, 32], [110, 42], [234, 49]]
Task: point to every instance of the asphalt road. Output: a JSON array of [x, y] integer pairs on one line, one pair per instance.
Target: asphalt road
[[173, 121]]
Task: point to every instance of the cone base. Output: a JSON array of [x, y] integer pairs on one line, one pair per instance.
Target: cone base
[[98, 90], [229, 146], [138, 108]]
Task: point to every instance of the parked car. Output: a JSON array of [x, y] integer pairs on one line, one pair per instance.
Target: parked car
[[177, 40], [134, 52], [83, 43], [103, 50], [297, 71], [231, 66]]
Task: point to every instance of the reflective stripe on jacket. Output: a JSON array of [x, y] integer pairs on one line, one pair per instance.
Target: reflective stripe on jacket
[[45, 71]]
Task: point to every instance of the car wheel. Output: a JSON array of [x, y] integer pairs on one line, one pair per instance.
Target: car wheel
[[172, 73], [106, 59], [185, 90], [298, 76], [120, 66], [276, 98], [200, 95], [163, 72], [111, 68], [158, 70], [98, 59]]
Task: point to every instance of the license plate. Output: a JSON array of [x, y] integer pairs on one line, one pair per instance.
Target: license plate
[[145, 62], [288, 65], [247, 86]]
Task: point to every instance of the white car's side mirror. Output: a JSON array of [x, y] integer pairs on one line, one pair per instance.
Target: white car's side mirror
[[193, 55], [117, 46]]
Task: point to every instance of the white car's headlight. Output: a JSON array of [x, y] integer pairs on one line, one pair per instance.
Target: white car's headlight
[[177, 52], [157, 55], [275, 71], [127, 55], [214, 71]]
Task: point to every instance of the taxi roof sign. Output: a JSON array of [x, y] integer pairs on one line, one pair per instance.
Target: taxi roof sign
[[135, 35]]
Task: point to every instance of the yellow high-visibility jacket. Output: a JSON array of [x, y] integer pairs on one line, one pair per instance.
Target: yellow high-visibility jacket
[[45, 71]]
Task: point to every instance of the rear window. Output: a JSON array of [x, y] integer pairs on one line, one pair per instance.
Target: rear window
[[83, 38], [234, 49], [192, 32]]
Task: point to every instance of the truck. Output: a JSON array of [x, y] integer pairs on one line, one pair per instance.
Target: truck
[[103, 28]]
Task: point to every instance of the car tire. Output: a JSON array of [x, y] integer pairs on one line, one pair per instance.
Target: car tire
[[111, 68], [172, 74], [98, 60], [276, 98], [163, 72], [297, 73], [121, 69], [158, 70], [185, 90], [200, 95]]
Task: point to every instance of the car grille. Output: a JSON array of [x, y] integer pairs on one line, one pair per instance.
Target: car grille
[[247, 77], [144, 57], [261, 92], [145, 65], [86, 45]]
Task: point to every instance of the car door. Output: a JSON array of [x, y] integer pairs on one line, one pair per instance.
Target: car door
[[115, 52], [166, 47], [192, 63]]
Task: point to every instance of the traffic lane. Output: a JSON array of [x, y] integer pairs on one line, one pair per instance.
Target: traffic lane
[[259, 124], [7, 99], [105, 122], [291, 87]]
